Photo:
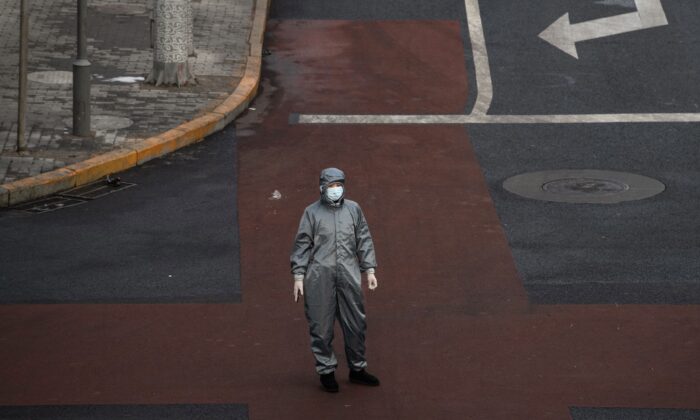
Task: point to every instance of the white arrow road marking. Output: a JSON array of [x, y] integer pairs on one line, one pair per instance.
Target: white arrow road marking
[[563, 35]]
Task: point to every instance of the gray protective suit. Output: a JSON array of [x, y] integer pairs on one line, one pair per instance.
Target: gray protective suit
[[333, 245]]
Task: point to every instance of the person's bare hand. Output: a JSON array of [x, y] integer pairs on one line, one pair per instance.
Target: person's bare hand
[[298, 289], [371, 281]]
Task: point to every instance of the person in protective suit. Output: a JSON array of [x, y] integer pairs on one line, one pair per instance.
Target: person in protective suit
[[332, 247]]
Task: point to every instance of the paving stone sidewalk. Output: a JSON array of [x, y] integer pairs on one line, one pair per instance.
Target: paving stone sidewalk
[[123, 109]]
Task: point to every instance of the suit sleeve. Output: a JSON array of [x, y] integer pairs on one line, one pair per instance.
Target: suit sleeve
[[365, 246], [303, 244]]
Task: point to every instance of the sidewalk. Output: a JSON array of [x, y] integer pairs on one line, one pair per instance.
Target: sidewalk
[[125, 112]]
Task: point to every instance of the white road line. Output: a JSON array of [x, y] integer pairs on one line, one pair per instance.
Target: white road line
[[500, 119], [484, 86]]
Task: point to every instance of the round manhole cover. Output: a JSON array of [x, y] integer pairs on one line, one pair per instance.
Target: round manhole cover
[[104, 122], [583, 186], [122, 9], [51, 77]]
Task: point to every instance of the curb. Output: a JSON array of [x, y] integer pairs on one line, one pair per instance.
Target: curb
[[118, 160]]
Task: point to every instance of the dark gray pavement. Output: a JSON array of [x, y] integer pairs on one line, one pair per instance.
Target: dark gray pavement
[[172, 238], [590, 413], [650, 70], [644, 251]]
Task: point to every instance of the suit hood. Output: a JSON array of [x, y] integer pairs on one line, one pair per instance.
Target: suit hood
[[329, 176]]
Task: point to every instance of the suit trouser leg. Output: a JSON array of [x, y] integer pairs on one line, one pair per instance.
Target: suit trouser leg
[[321, 306], [351, 312]]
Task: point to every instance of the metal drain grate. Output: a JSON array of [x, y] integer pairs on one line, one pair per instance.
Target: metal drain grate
[[49, 204], [75, 196], [96, 190]]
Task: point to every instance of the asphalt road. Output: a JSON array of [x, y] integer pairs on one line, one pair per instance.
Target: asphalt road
[[650, 70], [634, 252], [489, 305], [171, 238], [639, 252]]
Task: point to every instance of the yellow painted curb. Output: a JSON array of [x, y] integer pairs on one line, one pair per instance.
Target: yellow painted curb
[[185, 134], [247, 88], [102, 165], [197, 129], [159, 145], [31, 188]]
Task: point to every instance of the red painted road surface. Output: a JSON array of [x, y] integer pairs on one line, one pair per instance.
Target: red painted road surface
[[451, 333]]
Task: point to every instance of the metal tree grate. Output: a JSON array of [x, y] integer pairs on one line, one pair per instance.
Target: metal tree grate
[[49, 204], [75, 196], [96, 190]]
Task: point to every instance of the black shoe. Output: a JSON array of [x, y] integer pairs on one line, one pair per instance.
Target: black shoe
[[329, 383], [363, 378]]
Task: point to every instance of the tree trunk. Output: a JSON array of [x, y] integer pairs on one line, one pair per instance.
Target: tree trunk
[[171, 48]]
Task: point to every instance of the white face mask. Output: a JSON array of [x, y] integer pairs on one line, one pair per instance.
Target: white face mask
[[334, 193]]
